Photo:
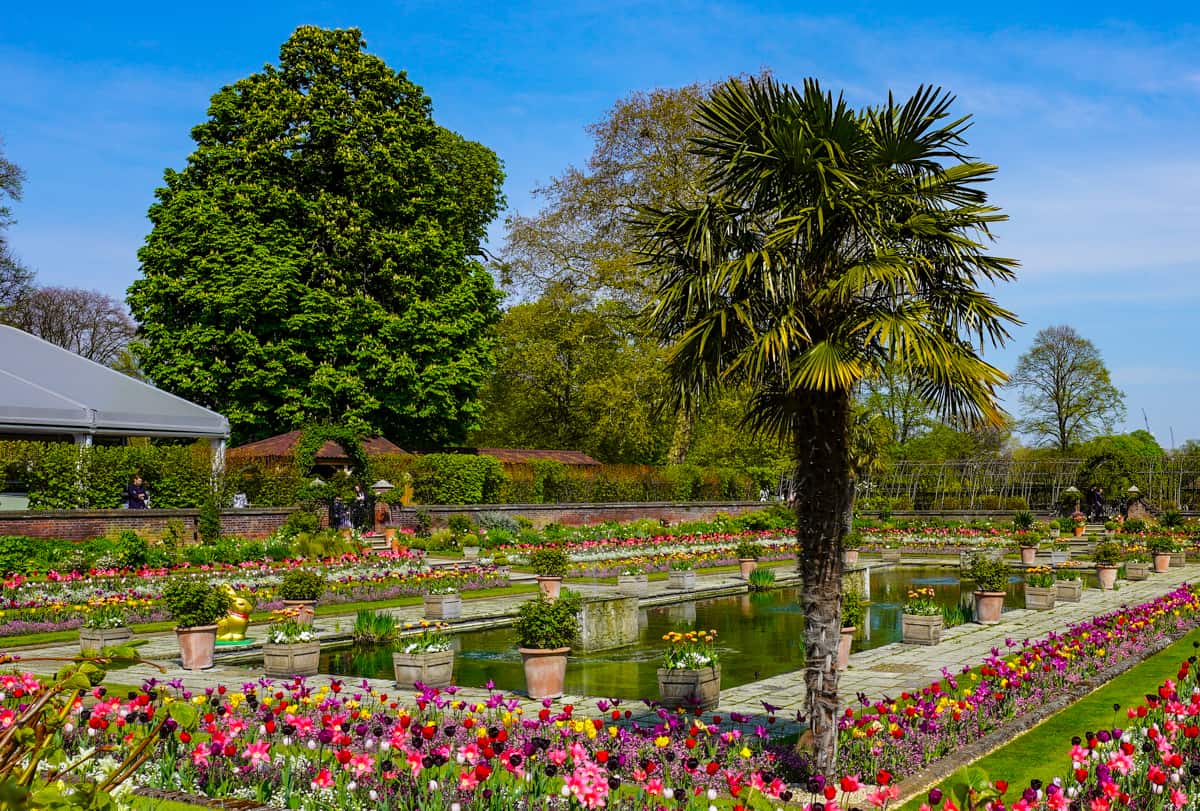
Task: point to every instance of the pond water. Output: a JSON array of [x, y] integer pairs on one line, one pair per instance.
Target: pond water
[[760, 635]]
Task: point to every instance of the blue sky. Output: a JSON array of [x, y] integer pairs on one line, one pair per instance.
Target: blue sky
[[1091, 112]]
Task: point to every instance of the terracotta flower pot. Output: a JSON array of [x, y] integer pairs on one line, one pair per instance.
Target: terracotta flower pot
[[305, 610], [196, 646], [921, 629], [443, 606], [690, 689], [843, 651], [550, 586], [545, 671], [746, 566], [989, 605], [1107, 576], [433, 669], [1162, 561], [97, 639], [1079, 530], [1028, 555], [389, 534], [850, 556], [297, 659], [681, 580], [1040, 599]]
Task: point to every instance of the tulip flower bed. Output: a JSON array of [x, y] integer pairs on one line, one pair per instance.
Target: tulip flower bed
[[913, 730], [657, 553], [297, 745], [61, 602], [948, 540]]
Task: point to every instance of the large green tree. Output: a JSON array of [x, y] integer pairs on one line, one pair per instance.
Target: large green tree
[[14, 277], [1066, 391], [313, 261], [829, 243]]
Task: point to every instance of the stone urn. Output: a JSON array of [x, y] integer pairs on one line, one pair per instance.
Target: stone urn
[[844, 642], [921, 629], [430, 668], [989, 605], [1068, 591], [690, 689], [294, 659], [1039, 598], [545, 671], [633, 585], [305, 610], [97, 639], [1107, 576], [746, 566], [443, 606], [1137, 570], [550, 586], [196, 646], [681, 579], [1028, 555], [1162, 561]]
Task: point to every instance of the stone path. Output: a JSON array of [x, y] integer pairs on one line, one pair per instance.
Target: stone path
[[881, 671]]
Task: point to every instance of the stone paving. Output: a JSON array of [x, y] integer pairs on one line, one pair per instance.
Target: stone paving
[[886, 670]]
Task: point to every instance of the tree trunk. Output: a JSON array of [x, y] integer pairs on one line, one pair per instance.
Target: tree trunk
[[681, 440], [821, 448]]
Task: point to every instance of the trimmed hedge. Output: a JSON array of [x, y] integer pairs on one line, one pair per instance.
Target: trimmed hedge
[[455, 478]]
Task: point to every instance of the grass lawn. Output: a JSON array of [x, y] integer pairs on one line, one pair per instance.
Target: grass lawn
[[1042, 751]]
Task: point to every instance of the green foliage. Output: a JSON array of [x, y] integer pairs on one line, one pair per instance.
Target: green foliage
[[1171, 519], [311, 261], [1133, 526], [854, 608], [373, 627], [1023, 520], [747, 550], [302, 584], [547, 624], [989, 573], [492, 521], [457, 478], [424, 522], [550, 561], [852, 540], [1108, 553], [194, 601], [960, 614], [761, 579], [1161, 544], [314, 437], [460, 524], [208, 523], [132, 550]]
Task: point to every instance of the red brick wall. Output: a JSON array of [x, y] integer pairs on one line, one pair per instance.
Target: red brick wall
[[259, 523]]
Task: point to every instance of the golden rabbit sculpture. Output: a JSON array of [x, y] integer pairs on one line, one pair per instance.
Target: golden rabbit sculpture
[[232, 627]]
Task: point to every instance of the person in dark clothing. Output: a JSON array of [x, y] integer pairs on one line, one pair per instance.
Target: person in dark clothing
[[136, 497]]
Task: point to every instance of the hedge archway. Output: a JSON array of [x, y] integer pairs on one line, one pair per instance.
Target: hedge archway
[[313, 438]]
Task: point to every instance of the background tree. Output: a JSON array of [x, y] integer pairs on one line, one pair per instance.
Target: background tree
[[15, 278], [1066, 392], [897, 398], [828, 244], [312, 261], [87, 322]]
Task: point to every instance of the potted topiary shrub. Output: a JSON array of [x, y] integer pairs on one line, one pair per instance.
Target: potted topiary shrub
[[853, 612], [550, 565], [1161, 547], [1108, 557], [681, 577], [300, 589], [426, 658], [443, 602], [991, 580], [922, 622], [851, 542], [196, 606], [747, 553], [1040, 588], [290, 648], [690, 676], [104, 626], [545, 628], [1068, 585]]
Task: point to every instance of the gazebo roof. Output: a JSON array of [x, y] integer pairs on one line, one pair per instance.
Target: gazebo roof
[[45, 389]]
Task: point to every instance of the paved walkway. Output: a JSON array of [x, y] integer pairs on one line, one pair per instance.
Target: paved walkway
[[884, 670]]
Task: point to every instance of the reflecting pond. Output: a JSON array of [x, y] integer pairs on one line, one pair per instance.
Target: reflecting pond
[[760, 635]]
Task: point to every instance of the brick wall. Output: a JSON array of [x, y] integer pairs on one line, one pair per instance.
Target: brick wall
[[259, 523]]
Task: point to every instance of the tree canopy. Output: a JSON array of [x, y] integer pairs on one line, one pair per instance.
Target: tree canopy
[[1067, 394], [87, 322], [313, 260], [14, 277], [827, 244]]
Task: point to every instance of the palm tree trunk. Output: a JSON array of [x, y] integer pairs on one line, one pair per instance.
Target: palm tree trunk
[[821, 446]]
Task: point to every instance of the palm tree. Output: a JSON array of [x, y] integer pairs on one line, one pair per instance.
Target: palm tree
[[829, 243]]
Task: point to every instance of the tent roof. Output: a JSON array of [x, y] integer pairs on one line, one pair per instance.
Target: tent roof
[[47, 389]]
